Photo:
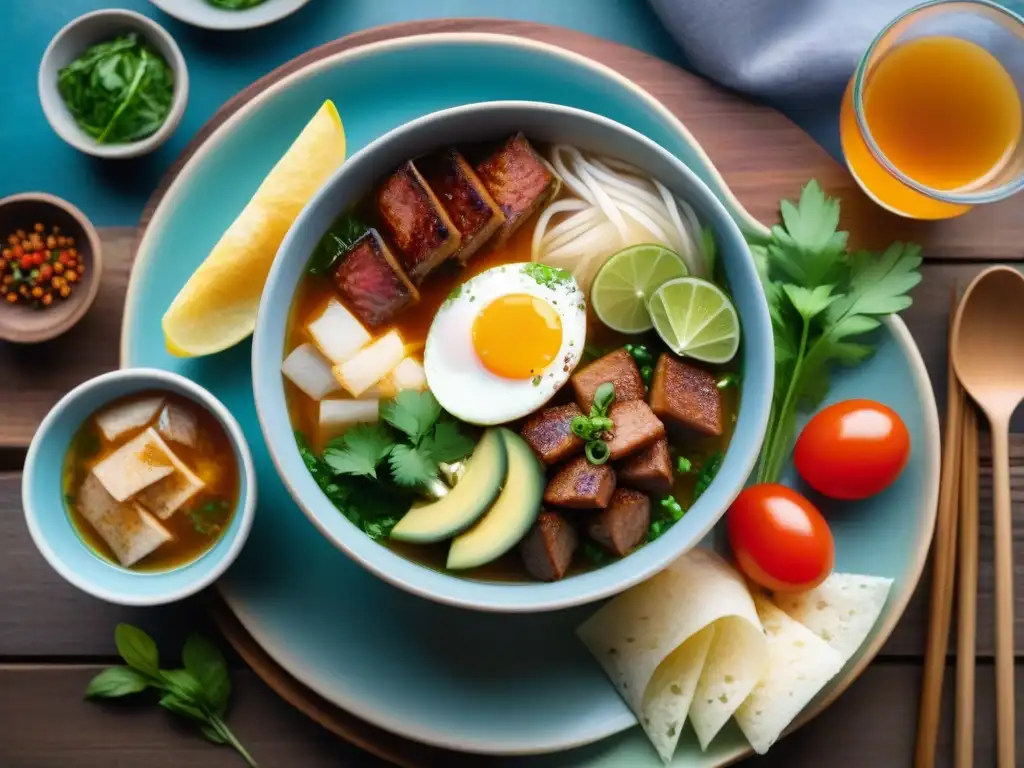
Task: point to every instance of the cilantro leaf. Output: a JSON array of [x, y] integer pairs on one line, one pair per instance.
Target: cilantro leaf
[[359, 450], [809, 302], [411, 467], [412, 412], [449, 444], [822, 301]]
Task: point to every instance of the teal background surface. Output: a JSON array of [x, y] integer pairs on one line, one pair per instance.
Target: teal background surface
[[113, 192]]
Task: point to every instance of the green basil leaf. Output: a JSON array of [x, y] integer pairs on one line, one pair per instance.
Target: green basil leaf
[[182, 683], [116, 681], [204, 661], [180, 706], [603, 398], [137, 649]]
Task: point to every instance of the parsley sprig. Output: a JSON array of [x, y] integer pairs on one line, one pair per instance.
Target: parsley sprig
[[595, 427], [822, 300], [414, 436], [200, 691]]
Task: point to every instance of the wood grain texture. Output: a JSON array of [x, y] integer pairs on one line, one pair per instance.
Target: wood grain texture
[[46, 724]]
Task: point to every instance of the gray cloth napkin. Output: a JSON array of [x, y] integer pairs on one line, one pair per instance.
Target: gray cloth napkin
[[792, 52]]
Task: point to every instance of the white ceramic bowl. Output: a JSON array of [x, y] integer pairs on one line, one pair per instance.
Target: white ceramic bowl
[[200, 13], [51, 528], [72, 41]]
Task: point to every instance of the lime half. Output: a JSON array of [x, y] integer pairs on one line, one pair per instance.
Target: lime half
[[696, 319], [626, 281]]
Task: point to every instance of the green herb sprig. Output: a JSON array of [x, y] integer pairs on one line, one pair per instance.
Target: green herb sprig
[[822, 300], [208, 518], [199, 691], [594, 428], [644, 360], [118, 91], [336, 242], [414, 439]]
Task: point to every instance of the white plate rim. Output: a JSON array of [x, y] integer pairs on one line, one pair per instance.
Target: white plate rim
[[895, 324]]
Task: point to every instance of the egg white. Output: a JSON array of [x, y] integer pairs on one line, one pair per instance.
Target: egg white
[[459, 380]]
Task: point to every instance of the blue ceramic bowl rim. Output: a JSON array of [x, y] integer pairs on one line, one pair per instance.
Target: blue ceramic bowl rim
[[235, 536], [757, 386]]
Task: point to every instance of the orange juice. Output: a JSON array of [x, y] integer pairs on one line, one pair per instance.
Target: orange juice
[[945, 113]]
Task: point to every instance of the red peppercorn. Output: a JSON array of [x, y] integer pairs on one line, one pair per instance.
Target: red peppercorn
[[38, 258], [26, 262], [46, 272], [18, 251]]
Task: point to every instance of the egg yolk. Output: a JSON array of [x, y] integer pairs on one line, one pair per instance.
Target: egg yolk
[[517, 336]]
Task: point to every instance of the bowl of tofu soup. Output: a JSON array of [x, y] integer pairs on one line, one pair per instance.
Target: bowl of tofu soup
[[139, 487], [513, 357]]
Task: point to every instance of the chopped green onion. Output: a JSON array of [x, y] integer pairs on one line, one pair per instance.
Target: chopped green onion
[[683, 465], [597, 452]]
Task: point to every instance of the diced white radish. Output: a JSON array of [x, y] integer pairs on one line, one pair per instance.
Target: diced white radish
[[371, 364], [337, 333], [383, 390], [120, 419], [178, 424], [135, 465], [129, 530], [409, 374], [165, 497], [338, 415], [310, 371]]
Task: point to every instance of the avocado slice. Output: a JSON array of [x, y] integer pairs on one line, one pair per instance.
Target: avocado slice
[[463, 504], [510, 517]]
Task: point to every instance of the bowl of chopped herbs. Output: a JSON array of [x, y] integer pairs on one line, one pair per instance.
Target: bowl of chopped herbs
[[113, 83], [229, 14]]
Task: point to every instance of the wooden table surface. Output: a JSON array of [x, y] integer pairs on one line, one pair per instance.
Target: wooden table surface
[[53, 638]]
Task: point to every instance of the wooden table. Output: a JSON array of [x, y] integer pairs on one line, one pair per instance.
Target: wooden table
[[53, 638]]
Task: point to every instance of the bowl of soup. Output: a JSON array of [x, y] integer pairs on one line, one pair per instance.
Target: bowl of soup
[[513, 357], [139, 487]]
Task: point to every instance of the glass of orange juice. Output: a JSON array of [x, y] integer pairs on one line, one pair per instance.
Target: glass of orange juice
[[931, 120]]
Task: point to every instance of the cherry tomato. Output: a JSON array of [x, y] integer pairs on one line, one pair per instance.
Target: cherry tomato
[[779, 539], [853, 449]]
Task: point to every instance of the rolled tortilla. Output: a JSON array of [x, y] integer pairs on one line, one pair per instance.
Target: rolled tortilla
[[660, 645]]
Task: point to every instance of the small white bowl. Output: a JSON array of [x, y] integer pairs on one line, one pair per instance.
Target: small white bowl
[[72, 41], [200, 13]]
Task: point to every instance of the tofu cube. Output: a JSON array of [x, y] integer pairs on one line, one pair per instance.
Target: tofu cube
[[337, 333], [129, 530], [310, 371], [165, 497], [122, 418], [338, 415], [409, 374], [371, 364], [178, 424], [135, 465]]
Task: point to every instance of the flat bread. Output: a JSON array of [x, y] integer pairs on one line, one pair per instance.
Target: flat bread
[[842, 610], [800, 664], [652, 644]]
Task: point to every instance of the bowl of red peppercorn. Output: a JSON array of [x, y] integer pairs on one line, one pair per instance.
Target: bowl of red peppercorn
[[50, 266]]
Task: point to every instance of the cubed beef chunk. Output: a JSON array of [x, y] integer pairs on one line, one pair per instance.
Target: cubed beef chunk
[[650, 470], [581, 485], [686, 396], [634, 427], [413, 218], [622, 525], [550, 435], [619, 368], [519, 180], [371, 283], [464, 198], [548, 548]]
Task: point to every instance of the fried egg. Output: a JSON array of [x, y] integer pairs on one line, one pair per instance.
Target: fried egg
[[505, 341]]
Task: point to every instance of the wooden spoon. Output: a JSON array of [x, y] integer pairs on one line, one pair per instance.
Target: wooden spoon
[[988, 355]]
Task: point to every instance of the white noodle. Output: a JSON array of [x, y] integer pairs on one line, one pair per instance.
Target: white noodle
[[616, 205]]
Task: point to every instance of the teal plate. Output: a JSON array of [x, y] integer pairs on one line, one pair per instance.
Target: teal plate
[[488, 683]]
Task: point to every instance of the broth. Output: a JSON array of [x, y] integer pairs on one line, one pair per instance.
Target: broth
[[200, 522]]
